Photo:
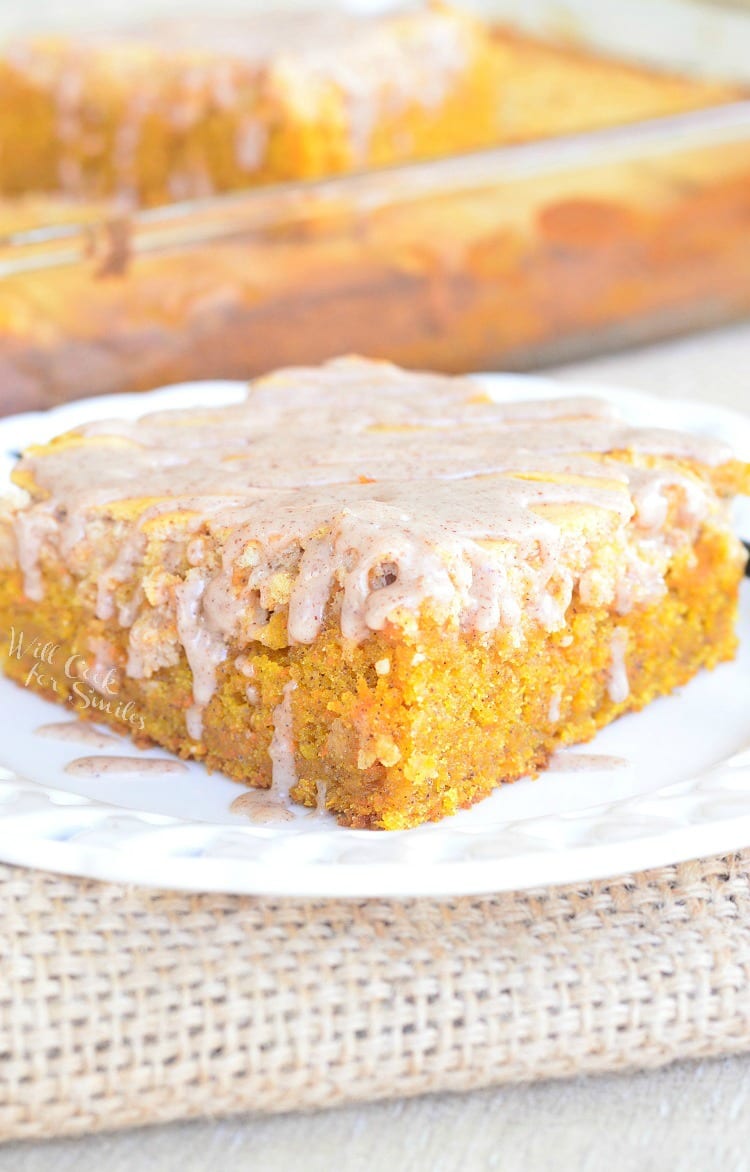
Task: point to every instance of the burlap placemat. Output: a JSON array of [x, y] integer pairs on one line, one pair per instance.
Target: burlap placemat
[[120, 1006]]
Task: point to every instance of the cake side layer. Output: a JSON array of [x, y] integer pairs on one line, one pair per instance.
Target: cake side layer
[[406, 726]]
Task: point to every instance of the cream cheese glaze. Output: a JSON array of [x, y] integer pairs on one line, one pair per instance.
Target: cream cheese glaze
[[358, 493]]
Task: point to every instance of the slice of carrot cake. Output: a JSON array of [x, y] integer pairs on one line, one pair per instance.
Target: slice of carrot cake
[[372, 589]]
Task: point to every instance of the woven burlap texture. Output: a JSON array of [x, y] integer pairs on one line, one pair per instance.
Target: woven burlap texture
[[122, 1006]]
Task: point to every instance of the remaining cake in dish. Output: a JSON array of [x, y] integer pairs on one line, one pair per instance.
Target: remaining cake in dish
[[194, 107], [375, 591], [462, 265]]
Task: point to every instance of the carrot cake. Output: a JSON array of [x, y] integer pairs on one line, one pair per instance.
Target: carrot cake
[[188, 108], [377, 591], [464, 265]]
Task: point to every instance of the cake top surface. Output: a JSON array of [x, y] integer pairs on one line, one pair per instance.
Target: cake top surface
[[388, 465], [354, 431], [359, 494]]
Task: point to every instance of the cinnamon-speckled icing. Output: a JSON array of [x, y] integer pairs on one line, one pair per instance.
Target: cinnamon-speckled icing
[[102, 766], [359, 493], [78, 731]]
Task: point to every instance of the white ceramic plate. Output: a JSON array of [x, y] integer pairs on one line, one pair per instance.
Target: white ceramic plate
[[680, 789]]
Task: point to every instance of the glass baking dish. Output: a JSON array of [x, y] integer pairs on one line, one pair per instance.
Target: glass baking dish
[[514, 257]]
